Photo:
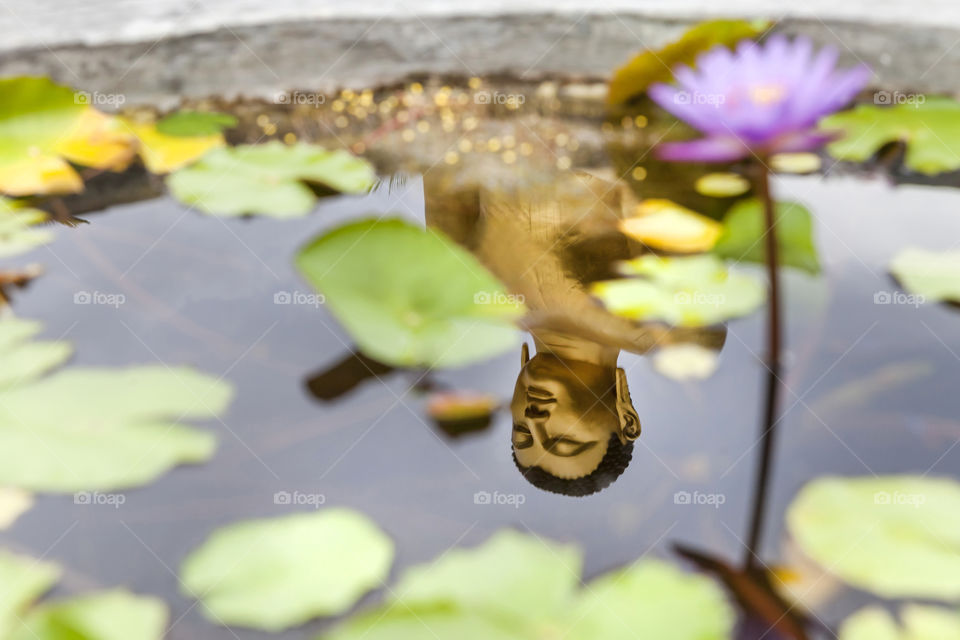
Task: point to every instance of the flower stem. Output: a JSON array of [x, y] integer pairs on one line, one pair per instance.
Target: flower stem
[[772, 362]]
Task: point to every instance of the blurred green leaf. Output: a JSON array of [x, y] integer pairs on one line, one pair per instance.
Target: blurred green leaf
[[269, 179], [195, 123], [22, 580], [919, 623], [744, 235], [652, 66], [400, 622], [931, 131], [107, 615], [896, 536], [935, 275], [276, 573], [685, 291], [17, 231], [94, 428], [410, 297]]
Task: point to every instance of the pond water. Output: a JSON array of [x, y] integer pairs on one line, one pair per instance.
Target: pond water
[[871, 388]]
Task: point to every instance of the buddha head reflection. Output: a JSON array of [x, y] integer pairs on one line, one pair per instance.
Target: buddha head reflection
[[573, 423]]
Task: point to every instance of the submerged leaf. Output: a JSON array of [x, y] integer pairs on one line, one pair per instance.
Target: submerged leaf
[[683, 362], [277, 573], [107, 615], [930, 129], [935, 275], [410, 297], [41, 123], [195, 123], [667, 226], [690, 291], [652, 66], [897, 536], [920, 622], [270, 179], [744, 234]]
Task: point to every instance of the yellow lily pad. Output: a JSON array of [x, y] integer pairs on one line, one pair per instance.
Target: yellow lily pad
[[163, 153], [795, 162], [722, 185], [667, 226]]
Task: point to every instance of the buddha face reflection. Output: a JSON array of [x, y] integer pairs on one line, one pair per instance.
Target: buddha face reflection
[[567, 415]]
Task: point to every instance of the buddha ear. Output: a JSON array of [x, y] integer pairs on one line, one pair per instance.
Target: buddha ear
[[629, 420], [524, 355]]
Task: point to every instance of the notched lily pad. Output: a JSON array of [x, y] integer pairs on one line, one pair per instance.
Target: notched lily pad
[[930, 130], [277, 573], [684, 291], [744, 231], [935, 275], [270, 179], [410, 297], [896, 536]]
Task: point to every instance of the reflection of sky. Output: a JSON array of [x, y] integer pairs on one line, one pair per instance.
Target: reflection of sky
[[210, 287]]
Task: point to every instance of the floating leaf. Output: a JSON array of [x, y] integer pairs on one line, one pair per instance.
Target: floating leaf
[[195, 123], [165, 153], [667, 226], [88, 429], [41, 123], [108, 615], [268, 179], [744, 233], [13, 504], [919, 623], [690, 291], [935, 275], [652, 66], [401, 622], [795, 162], [652, 599], [22, 580], [277, 573], [683, 362], [409, 296], [17, 233], [897, 536], [722, 185], [512, 577], [931, 131]]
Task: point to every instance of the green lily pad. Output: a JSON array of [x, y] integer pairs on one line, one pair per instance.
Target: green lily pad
[[277, 573], [919, 623], [744, 230], [652, 599], [91, 428], [512, 576], [689, 291], [410, 297], [108, 615], [935, 275], [896, 536], [35, 113], [22, 580], [401, 622], [931, 131], [17, 231], [652, 66], [188, 124], [270, 179]]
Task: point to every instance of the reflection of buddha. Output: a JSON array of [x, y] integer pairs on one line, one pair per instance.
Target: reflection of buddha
[[573, 421]]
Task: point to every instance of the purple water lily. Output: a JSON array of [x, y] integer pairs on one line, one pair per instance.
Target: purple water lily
[[762, 99]]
